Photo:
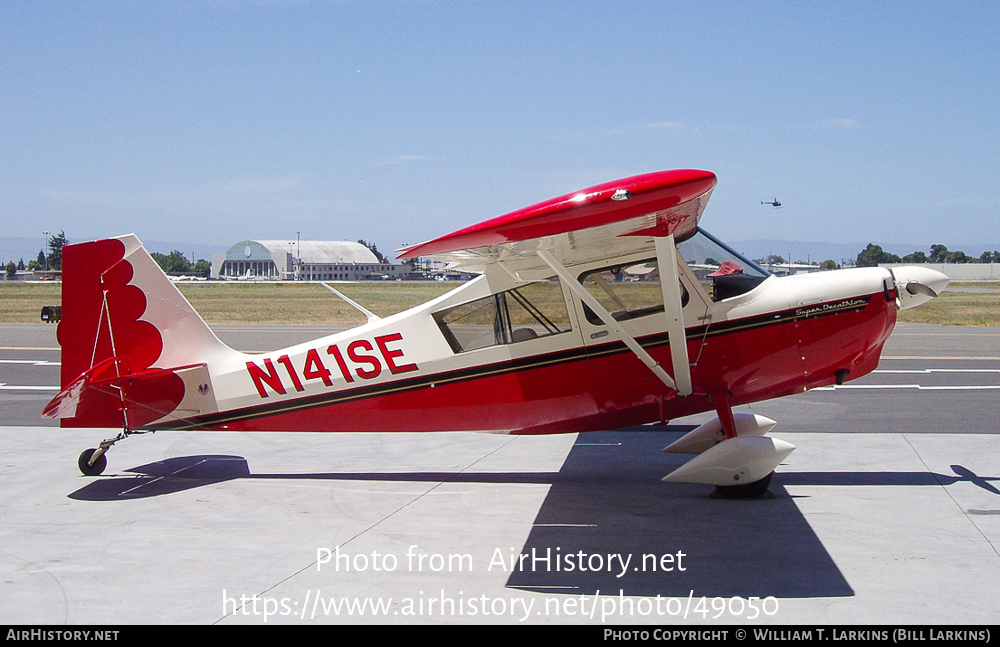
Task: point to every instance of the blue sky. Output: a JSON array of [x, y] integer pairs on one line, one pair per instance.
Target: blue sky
[[216, 121]]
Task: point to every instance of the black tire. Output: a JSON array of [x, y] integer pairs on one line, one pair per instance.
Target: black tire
[[95, 469], [754, 490]]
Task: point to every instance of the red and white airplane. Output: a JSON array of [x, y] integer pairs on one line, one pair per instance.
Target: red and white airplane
[[600, 309]]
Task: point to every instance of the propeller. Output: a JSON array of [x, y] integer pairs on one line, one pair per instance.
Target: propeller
[[917, 285], [919, 288]]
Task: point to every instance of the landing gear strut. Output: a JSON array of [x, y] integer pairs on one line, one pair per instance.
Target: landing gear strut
[[734, 454], [92, 462]]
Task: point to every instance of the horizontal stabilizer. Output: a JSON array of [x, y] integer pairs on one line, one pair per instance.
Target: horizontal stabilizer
[[711, 433], [736, 461], [136, 399]]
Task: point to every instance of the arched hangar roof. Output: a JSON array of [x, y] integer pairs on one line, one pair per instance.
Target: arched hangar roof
[[310, 251]]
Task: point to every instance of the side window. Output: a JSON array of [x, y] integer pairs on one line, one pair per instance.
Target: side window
[[627, 291], [528, 312]]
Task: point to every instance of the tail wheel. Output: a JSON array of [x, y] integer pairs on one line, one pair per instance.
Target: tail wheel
[[754, 490], [92, 470]]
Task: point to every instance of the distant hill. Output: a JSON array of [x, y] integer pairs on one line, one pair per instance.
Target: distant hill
[[817, 252], [14, 248], [17, 248]]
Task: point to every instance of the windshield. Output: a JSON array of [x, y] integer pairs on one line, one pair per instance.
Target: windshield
[[720, 270]]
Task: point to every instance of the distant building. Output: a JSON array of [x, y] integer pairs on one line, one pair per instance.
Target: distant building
[[957, 271], [307, 260], [425, 268], [31, 275], [787, 269]]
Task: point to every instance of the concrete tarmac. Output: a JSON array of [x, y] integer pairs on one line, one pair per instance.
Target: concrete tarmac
[[887, 513]]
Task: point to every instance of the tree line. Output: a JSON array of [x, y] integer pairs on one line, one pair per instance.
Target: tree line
[[173, 263], [176, 263], [872, 255], [52, 261]]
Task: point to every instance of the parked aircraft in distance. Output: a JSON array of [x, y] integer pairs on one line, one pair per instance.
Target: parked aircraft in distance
[[599, 309]]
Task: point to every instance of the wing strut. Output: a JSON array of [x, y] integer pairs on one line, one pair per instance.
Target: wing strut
[[608, 320], [670, 283]]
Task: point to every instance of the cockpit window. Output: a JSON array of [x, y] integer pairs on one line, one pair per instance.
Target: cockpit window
[[524, 313], [720, 270], [627, 291]]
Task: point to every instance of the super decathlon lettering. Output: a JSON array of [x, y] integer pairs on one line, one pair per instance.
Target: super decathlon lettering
[[367, 365], [830, 307]]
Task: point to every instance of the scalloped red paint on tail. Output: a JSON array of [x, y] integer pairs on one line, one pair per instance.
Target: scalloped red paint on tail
[[119, 312], [102, 311], [101, 324], [137, 343], [79, 330]]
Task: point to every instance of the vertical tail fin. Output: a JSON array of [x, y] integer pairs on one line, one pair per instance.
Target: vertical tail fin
[[133, 348]]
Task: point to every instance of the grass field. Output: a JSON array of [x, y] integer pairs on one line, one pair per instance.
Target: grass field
[[23, 302], [305, 303], [248, 302], [309, 303], [955, 307]]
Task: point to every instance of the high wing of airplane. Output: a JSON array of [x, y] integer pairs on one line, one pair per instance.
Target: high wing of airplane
[[600, 309]]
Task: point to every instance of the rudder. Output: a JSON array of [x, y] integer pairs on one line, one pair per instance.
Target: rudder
[[127, 335]]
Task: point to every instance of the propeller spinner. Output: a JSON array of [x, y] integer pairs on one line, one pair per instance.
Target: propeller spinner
[[917, 285]]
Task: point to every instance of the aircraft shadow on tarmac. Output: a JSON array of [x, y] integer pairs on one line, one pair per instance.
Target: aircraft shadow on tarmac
[[608, 500], [613, 502], [164, 477]]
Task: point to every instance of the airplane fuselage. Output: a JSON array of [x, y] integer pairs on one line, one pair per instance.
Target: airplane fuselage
[[401, 373], [604, 308]]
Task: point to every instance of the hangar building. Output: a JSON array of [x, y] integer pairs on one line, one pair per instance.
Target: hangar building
[[307, 260]]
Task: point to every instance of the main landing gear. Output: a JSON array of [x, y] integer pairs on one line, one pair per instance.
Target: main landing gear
[[754, 490], [734, 454]]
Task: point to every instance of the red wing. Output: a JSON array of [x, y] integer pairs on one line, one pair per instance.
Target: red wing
[[616, 216]]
